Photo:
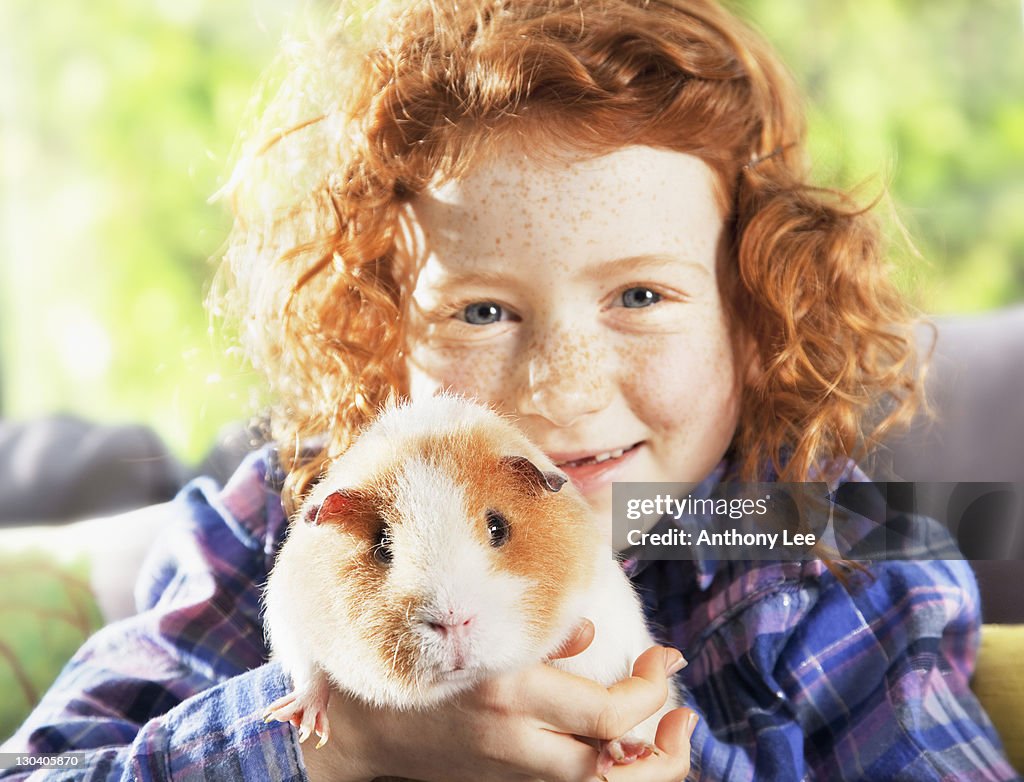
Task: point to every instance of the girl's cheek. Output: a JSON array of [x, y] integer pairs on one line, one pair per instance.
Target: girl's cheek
[[478, 373], [650, 380], [672, 380]]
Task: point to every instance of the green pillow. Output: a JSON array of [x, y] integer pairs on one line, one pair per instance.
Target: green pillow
[[47, 610], [60, 584]]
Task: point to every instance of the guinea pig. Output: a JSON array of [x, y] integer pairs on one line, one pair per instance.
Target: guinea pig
[[443, 547]]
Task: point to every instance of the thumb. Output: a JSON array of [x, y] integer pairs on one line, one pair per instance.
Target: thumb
[[576, 642]]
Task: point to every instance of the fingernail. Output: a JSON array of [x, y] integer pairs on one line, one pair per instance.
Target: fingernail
[[674, 661], [691, 724]]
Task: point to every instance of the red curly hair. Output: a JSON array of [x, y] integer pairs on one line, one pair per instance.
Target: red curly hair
[[411, 96]]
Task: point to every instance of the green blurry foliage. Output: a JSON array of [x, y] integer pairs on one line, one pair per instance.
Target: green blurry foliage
[[119, 126], [925, 100], [119, 117]]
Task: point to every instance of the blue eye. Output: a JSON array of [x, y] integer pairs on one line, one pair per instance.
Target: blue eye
[[639, 297], [481, 313]]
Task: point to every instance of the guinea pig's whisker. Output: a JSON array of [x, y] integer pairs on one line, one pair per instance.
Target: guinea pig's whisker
[[398, 644], [416, 682]]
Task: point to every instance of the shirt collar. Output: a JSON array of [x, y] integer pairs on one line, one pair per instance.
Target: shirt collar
[[705, 566]]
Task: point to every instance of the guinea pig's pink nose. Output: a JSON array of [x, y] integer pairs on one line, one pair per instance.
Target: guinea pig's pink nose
[[454, 624]]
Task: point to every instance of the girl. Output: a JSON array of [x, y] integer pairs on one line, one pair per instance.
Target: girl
[[593, 216]]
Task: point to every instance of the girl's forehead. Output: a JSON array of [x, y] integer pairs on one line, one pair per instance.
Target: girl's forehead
[[512, 173], [635, 200]]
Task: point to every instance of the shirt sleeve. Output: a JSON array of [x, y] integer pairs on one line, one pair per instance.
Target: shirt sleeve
[[176, 691], [877, 678], [811, 679]]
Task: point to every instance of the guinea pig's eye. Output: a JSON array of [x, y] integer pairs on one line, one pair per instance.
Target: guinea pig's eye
[[497, 528], [382, 545]]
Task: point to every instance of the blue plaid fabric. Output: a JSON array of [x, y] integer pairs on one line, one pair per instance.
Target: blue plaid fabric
[[795, 675]]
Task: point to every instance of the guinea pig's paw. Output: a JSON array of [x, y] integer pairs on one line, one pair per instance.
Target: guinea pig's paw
[[622, 752], [306, 709]]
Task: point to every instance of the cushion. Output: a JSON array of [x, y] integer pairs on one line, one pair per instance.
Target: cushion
[[60, 585], [999, 684]]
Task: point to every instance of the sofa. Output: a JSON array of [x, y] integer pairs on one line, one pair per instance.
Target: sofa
[[64, 580]]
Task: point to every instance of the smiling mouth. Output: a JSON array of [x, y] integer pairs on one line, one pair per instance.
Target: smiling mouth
[[599, 457]]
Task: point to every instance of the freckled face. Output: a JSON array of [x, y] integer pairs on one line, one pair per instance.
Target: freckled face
[[580, 295]]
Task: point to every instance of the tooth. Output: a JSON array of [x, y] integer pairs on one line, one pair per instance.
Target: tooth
[[596, 459]]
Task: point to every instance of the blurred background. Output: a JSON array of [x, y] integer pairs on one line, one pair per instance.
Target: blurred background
[[117, 123], [118, 118]]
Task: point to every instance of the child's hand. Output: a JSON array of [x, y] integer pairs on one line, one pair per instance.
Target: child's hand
[[518, 726]]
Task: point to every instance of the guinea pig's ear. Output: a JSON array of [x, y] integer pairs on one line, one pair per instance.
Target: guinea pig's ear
[[550, 480], [334, 508]]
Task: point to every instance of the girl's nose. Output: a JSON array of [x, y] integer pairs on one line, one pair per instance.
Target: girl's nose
[[565, 379]]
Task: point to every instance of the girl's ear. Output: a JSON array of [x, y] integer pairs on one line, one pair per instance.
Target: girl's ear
[[749, 367], [752, 360]]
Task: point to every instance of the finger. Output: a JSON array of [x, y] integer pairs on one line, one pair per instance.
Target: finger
[[675, 731], [555, 757], [575, 643], [653, 768], [567, 703], [658, 662], [672, 762]]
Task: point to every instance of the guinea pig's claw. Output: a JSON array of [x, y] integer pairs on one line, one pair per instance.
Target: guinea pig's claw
[[305, 709], [322, 728], [281, 710], [622, 752]]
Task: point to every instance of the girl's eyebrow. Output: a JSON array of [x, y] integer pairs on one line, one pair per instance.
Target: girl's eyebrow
[[597, 271], [481, 277], [612, 266]]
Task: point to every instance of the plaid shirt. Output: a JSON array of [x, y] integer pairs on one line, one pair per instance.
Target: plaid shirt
[[794, 675]]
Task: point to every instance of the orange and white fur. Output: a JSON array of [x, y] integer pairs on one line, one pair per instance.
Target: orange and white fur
[[443, 547]]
